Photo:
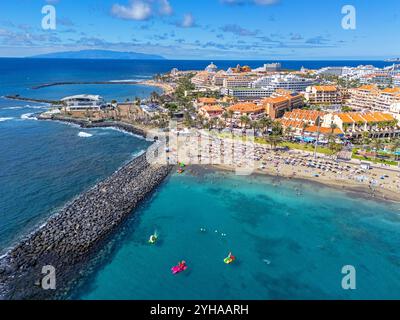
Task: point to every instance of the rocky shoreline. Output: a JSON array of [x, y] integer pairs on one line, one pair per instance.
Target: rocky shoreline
[[98, 124], [68, 238]]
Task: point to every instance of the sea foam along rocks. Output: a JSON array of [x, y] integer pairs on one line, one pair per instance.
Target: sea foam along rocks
[[68, 238]]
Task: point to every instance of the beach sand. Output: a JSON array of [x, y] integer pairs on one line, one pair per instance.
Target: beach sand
[[379, 183], [167, 89]]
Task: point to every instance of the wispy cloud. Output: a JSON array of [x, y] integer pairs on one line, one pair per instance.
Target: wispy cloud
[[136, 10], [140, 10], [187, 21], [238, 30], [254, 2]]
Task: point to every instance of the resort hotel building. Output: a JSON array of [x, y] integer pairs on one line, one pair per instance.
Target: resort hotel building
[[244, 88], [323, 95], [83, 102], [252, 110], [352, 124], [287, 82], [371, 97], [282, 101]]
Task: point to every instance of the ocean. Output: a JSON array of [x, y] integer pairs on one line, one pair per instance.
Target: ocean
[[287, 246]]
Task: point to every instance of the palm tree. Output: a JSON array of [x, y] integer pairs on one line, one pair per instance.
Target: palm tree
[[244, 120], [212, 123], [395, 147], [257, 126], [221, 124], [377, 145], [154, 97], [225, 115], [277, 128], [304, 127], [200, 120], [230, 116], [273, 140], [288, 132]]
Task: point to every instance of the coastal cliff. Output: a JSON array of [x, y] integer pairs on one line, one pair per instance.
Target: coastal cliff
[[68, 238]]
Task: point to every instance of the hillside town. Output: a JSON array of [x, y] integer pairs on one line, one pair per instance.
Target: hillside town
[[337, 109]]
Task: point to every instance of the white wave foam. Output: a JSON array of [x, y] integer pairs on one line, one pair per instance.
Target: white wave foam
[[137, 154], [122, 131], [12, 108], [28, 116], [125, 80], [6, 119], [36, 107], [84, 135]]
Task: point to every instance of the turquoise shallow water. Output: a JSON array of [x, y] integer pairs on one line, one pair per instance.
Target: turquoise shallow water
[[288, 246]]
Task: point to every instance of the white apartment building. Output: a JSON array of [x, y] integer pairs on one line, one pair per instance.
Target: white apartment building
[[286, 82], [237, 81], [83, 102], [386, 99], [376, 78], [269, 67], [331, 71], [323, 95], [370, 97], [245, 93], [396, 81]]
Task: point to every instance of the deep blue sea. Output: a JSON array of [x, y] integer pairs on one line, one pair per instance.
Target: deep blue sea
[[287, 246]]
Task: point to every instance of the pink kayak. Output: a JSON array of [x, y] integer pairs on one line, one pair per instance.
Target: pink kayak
[[179, 268]]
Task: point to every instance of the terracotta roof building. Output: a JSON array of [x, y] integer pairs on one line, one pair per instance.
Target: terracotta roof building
[[323, 95]]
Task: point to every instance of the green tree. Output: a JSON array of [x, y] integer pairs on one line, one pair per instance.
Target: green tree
[[304, 128], [273, 140], [244, 120], [377, 145]]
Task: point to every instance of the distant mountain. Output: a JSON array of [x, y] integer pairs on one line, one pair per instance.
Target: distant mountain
[[100, 54]]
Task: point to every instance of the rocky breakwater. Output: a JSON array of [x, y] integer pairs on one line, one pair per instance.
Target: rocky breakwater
[[67, 239], [98, 124]]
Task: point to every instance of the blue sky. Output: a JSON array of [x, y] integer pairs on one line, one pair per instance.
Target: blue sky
[[205, 29]]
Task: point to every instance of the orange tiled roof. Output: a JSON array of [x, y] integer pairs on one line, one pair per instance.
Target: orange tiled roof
[[303, 115], [387, 117], [325, 88], [323, 130], [381, 117], [345, 118], [357, 117], [395, 90], [207, 100], [247, 107], [369, 117], [368, 87], [212, 108], [275, 100]]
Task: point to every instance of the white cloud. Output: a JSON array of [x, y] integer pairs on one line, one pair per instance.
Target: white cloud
[[136, 10], [165, 8], [266, 2], [257, 2], [188, 20], [142, 9]]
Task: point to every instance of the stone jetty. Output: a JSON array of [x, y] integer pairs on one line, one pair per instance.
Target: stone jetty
[[67, 239], [97, 124]]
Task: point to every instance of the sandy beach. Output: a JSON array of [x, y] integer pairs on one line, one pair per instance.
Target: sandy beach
[[376, 182], [167, 89]]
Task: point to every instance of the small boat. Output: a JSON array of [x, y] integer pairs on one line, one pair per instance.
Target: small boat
[[153, 238], [180, 171], [179, 268], [230, 258]]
